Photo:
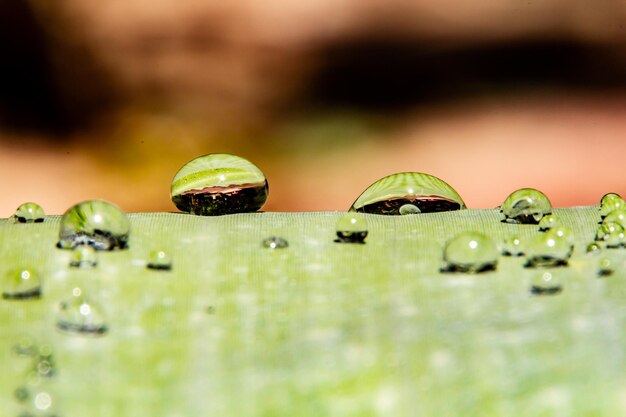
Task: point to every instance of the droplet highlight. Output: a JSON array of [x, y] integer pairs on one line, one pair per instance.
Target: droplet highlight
[[547, 250], [159, 260], [84, 256], [526, 206], [79, 315], [351, 228], [275, 242], [29, 213], [96, 223], [21, 284], [470, 252], [546, 283], [218, 184], [426, 192]]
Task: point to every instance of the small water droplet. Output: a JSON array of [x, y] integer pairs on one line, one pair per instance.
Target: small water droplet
[[159, 260], [513, 246], [409, 209], [424, 191], [84, 257], [29, 213], [217, 184], [611, 202], [351, 228], [78, 315], [612, 234], [548, 221], [470, 252], [275, 242], [593, 249], [22, 284], [548, 249], [546, 283], [526, 206], [616, 216], [605, 267], [97, 223]]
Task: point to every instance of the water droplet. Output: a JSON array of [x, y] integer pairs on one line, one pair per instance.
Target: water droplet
[[513, 246], [526, 206], [44, 362], [84, 257], [605, 267], [351, 228], [594, 249], [611, 202], [409, 209], [217, 184], [616, 216], [426, 192], [548, 221], [78, 315], [29, 213], [546, 283], [564, 232], [24, 347], [97, 223], [22, 284], [612, 234], [470, 252], [275, 242], [160, 260], [548, 249], [36, 399]]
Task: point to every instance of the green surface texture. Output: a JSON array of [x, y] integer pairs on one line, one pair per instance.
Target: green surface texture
[[319, 328]]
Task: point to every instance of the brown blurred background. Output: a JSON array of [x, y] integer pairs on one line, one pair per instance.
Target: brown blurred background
[[108, 100]]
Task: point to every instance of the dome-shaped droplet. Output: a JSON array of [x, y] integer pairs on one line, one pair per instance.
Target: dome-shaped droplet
[[564, 232], [84, 256], [594, 249], [611, 202], [216, 184], [548, 249], [526, 206], [513, 246], [548, 221], [159, 260], [274, 242], [97, 223], [616, 216], [546, 283], [409, 209], [21, 284], [29, 213], [351, 228], [608, 229], [605, 267], [78, 315], [470, 252], [426, 192]]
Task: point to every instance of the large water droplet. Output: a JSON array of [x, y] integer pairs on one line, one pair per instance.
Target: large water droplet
[[78, 315], [351, 228], [22, 284], [84, 257], [548, 249], [526, 206], [159, 260], [513, 246], [545, 283], [611, 202], [470, 252], [217, 184], [616, 216], [97, 223], [548, 221], [274, 242], [426, 192], [29, 213]]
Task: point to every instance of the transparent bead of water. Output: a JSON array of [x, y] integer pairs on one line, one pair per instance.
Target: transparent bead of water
[[159, 260], [217, 184], [548, 222], [605, 267], [84, 257], [470, 252], [594, 249], [96, 223], [526, 206], [611, 202], [21, 284], [426, 192], [616, 216], [546, 283], [36, 399], [29, 213], [351, 228], [608, 229], [548, 249], [563, 232], [513, 246], [80, 316], [615, 239], [275, 242], [409, 209]]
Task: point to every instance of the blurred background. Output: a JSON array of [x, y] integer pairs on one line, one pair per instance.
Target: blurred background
[[109, 99]]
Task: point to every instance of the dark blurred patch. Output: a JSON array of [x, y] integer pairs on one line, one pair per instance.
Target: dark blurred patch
[[46, 83], [388, 74]]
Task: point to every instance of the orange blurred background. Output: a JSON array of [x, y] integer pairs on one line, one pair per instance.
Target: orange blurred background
[[109, 100]]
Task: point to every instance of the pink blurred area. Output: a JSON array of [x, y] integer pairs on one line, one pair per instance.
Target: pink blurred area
[[325, 97]]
